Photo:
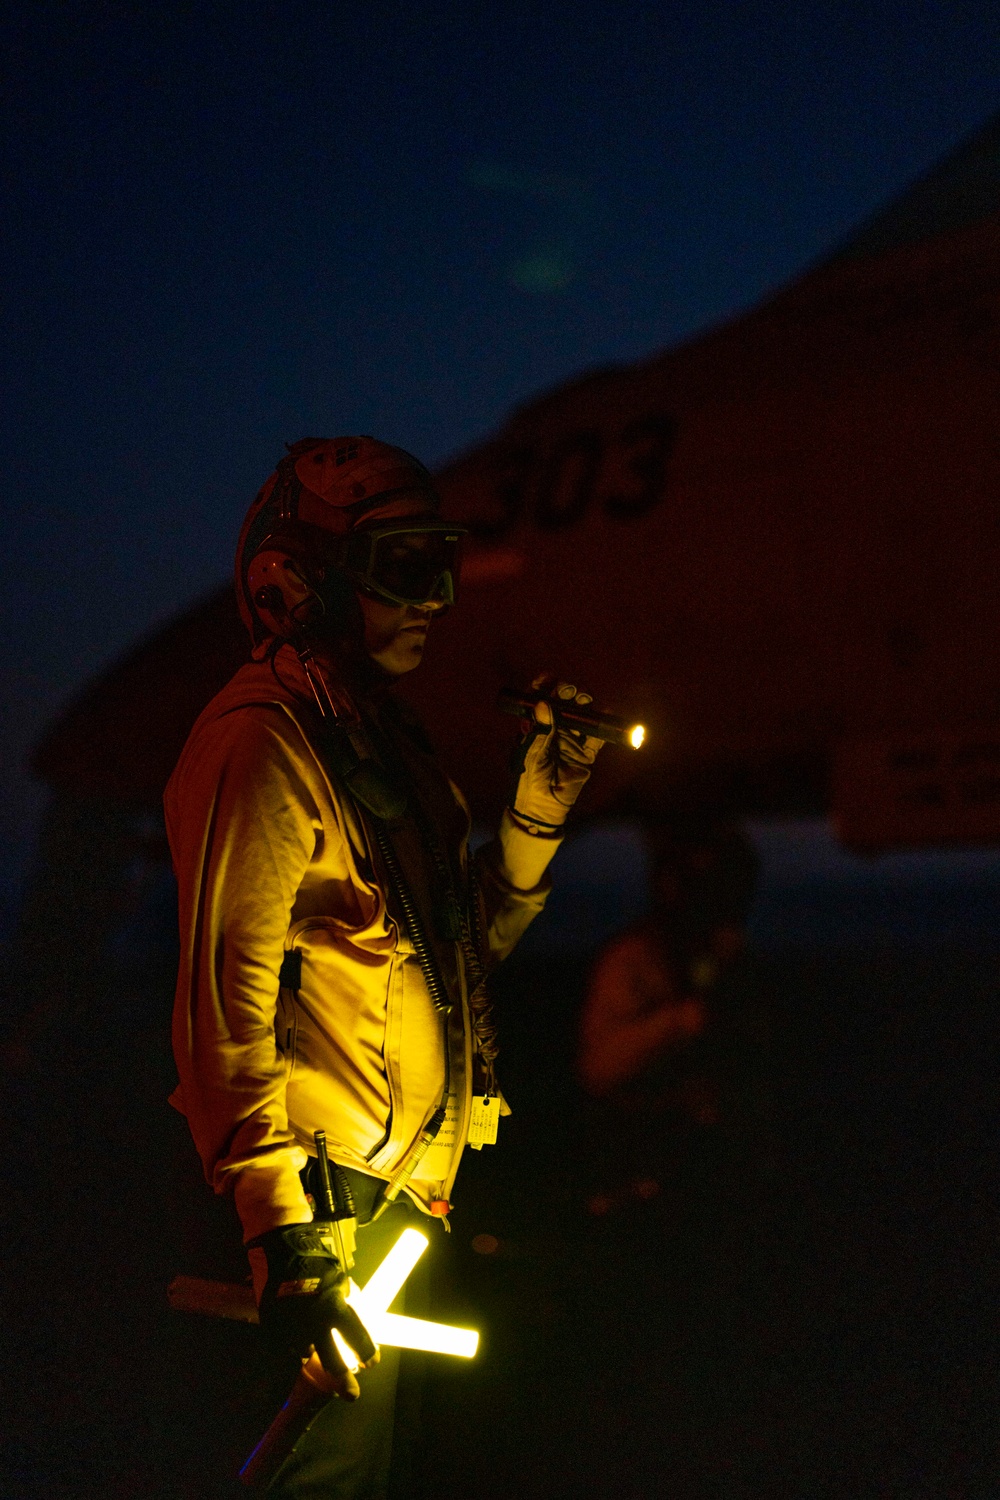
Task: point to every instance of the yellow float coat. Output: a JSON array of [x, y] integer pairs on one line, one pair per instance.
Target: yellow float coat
[[271, 856]]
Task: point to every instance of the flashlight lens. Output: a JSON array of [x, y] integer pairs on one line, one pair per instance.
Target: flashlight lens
[[637, 736]]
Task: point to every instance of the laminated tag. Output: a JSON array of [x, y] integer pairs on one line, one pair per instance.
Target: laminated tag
[[483, 1121]]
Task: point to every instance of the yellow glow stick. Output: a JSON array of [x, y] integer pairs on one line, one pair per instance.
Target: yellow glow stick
[[371, 1303], [386, 1281], [417, 1333]]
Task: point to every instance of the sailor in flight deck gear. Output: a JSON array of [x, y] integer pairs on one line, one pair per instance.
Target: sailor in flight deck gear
[[314, 992]]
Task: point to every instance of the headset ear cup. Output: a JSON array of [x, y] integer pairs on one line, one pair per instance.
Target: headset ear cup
[[283, 597]]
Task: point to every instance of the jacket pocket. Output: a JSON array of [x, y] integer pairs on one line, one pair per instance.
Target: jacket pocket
[[286, 1025]]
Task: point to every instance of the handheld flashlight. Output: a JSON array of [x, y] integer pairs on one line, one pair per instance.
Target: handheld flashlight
[[588, 720]]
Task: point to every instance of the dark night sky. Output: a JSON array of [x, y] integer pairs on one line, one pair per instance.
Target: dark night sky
[[229, 225]]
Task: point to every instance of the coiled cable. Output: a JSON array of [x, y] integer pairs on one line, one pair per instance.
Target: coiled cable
[[414, 922]]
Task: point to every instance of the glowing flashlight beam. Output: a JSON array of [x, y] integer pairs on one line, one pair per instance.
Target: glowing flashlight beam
[[636, 736], [371, 1302]]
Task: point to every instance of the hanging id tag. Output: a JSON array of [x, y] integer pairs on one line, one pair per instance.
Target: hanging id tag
[[483, 1121]]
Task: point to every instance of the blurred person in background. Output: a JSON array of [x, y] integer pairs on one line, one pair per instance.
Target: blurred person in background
[[672, 1044]]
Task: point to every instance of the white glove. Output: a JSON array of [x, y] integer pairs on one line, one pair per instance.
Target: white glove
[[555, 764]]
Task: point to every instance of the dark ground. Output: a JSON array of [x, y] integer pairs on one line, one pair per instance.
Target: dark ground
[[809, 1312]]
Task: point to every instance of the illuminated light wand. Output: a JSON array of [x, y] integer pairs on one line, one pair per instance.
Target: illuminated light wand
[[578, 716], [371, 1302]]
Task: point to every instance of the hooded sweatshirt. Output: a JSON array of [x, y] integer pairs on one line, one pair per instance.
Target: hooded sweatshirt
[[272, 859]]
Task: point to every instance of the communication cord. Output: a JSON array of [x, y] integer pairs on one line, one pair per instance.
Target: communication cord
[[468, 926], [433, 978]]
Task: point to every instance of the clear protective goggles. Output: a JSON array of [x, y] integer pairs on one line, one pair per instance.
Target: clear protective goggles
[[406, 561]]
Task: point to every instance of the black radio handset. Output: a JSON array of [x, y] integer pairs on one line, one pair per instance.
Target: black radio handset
[[336, 1214]]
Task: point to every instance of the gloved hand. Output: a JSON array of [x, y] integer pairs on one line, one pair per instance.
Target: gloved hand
[[304, 1298], [555, 764]]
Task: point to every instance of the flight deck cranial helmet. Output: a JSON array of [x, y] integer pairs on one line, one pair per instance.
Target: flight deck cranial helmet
[[317, 532]]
